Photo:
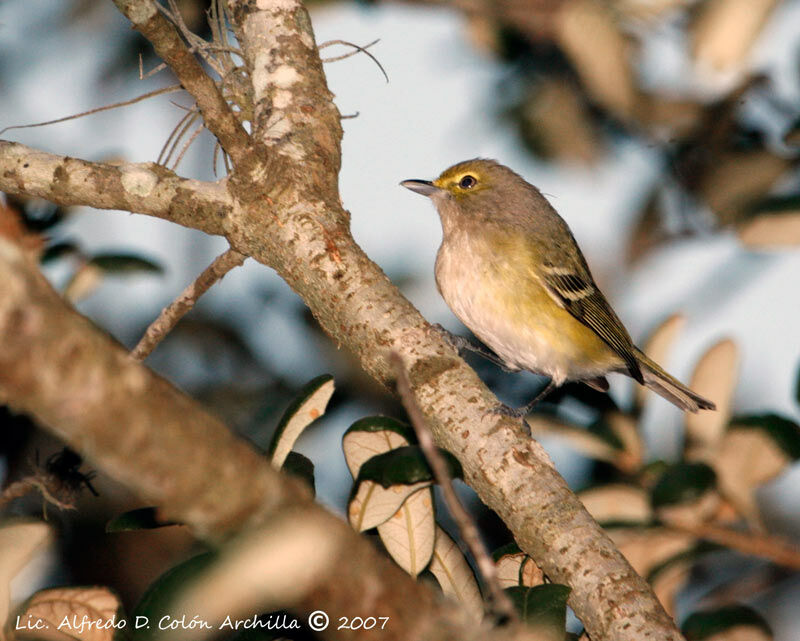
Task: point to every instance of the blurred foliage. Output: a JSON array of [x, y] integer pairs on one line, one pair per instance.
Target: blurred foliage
[[584, 78], [572, 98]]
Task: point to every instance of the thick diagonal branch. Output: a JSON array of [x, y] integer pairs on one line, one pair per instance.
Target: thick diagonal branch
[[82, 385], [288, 215]]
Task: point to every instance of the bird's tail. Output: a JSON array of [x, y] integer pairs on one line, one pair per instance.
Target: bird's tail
[[670, 388]]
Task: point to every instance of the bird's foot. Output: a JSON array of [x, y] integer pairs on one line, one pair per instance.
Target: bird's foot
[[458, 343], [515, 413], [511, 412], [463, 345], [522, 412]]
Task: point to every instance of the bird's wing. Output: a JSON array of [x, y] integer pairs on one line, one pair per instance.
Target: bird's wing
[[577, 293]]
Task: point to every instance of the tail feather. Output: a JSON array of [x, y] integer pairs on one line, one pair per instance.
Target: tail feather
[[669, 387]]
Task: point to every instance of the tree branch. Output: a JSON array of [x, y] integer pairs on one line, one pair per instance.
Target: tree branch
[[82, 385], [287, 215], [220, 120], [176, 310], [501, 603], [143, 188]]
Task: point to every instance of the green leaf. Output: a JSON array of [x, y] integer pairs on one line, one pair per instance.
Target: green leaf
[[143, 518], [783, 431], [123, 264], [543, 606], [371, 436], [681, 483], [58, 250], [506, 550], [690, 554], [602, 429], [702, 625], [797, 387], [307, 407], [775, 205], [382, 424], [404, 466], [300, 466], [156, 600]]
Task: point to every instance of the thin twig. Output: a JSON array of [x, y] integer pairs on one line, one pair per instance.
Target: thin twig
[[358, 49], [195, 42], [47, 486], [775, 549], [195, 116], [500, 602], [152, 72], [171, 314], [116, 105], [172, 134], [186, 146]]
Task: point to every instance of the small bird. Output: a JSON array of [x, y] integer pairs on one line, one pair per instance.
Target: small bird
[[511, 271]]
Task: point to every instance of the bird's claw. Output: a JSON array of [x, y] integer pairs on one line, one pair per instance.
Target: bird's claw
[[511, 412], [456, 342], [518, 414]]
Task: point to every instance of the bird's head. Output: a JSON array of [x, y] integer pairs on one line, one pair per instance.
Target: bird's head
[[477, 189]]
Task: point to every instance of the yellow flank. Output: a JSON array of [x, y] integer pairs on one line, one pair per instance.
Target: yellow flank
[[530, 309]]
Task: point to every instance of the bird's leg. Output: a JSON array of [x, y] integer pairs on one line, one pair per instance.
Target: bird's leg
[[522, 412], [461, 345]]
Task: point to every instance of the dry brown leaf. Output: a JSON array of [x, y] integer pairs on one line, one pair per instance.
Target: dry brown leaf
[[557, 118], [745, 460], [409, 535], [771, 230], [19, 541], [668, 118], [648, 9], [645, 548], [592, 40], [715, 377], [508, 569], [88, 614], [700, 510], [12, 228], [724, 31], [454, 574], [580, 439], [518, 569], [83, 283], [626, 429], [309, 410], [373, 504], [266, 569], [359, 447], [617, 502], [738, 179], [669, 581]]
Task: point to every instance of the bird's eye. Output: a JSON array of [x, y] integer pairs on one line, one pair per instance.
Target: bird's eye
[[467, 182]]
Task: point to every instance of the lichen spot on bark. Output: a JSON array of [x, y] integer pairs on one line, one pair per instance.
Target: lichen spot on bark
[[426, 370], [138, 181]]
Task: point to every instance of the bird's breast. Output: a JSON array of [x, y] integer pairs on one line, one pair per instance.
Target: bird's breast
[[490, 288]]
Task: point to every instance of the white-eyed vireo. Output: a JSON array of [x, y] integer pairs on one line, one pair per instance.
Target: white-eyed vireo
[[511, 271]]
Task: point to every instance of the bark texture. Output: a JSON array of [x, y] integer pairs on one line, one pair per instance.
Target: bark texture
[[285, 212]]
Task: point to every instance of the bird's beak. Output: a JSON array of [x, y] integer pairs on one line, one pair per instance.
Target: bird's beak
[[424, 187]]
